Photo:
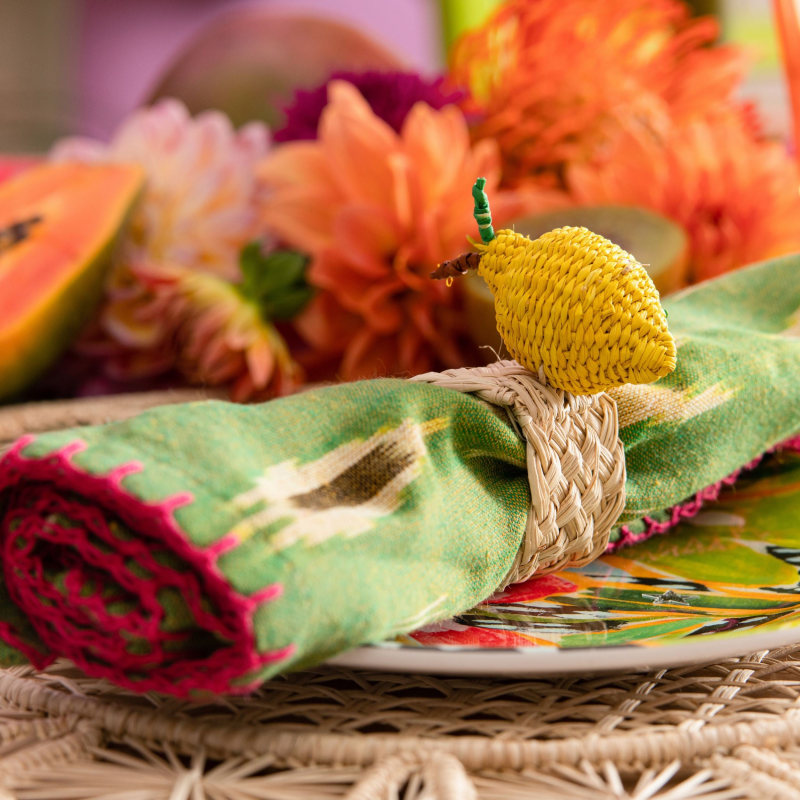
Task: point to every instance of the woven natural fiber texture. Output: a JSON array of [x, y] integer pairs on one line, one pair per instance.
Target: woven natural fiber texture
[[575, 463], [28, 418], [577, 307], [717, 731]]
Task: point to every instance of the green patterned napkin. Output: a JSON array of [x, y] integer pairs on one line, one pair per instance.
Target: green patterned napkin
[[734, 394], [206, 547]]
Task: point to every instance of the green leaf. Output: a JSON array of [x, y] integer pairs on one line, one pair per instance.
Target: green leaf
[[288, 303], [286, 268], [274, 281]]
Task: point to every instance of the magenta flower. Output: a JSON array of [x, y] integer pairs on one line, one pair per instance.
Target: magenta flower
[[391, 96]]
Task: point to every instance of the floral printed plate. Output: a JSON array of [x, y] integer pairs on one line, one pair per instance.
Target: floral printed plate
[[725, 585]]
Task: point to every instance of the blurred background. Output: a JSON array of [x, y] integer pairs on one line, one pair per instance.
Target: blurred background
[[79, 66], [257, 263]]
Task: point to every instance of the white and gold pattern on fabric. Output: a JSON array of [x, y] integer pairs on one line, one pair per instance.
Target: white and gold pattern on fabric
[[658, 404], [340, 494], [420, 618]]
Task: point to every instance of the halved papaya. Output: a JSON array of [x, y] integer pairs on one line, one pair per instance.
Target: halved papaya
[[58, 227]]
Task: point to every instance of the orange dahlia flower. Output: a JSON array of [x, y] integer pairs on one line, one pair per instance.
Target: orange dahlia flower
[[377, 211], [735, 195], [555, 80]]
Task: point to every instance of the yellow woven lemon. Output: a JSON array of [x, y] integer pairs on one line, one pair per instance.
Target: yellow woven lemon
[[572, 305]]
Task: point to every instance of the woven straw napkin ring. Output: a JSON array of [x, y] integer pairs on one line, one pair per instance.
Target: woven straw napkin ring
[[575, 461]]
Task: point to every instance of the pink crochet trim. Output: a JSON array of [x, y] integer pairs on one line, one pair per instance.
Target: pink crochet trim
[[59, 521], [690, 508]]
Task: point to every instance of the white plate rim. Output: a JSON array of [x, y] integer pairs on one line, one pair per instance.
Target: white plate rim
[[545, 660]]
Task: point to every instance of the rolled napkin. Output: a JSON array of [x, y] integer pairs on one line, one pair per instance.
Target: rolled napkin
[[210, 545], [205, 547]]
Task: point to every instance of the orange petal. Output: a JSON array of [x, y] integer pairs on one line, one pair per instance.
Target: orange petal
[[370, 356], [325, 325], [371, 237], [303, 224], [260, 362], [357, 144], [297, 164], [437, 143]]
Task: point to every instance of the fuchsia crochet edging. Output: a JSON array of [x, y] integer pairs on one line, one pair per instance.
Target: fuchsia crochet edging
[[58, 516], [690, 508]]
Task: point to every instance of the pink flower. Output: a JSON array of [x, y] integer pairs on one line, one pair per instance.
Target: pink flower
[[200, 205], [172, 299]]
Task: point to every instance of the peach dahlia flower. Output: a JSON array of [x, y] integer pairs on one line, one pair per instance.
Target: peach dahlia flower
[[200, 202], [216, 336]]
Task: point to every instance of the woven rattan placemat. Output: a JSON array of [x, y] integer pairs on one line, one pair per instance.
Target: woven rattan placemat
[[723, 730]]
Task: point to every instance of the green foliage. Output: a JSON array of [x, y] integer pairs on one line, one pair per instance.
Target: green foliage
[[274, 281]]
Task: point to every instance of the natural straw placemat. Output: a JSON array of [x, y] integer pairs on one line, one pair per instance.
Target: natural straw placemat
[[727, 730], [723, 730], [17, 420]]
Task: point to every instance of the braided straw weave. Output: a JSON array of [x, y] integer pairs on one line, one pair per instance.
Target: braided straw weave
[[575, 460], [579, 307]]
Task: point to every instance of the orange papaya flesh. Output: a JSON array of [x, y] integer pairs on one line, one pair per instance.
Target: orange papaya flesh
[[61, 223]]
